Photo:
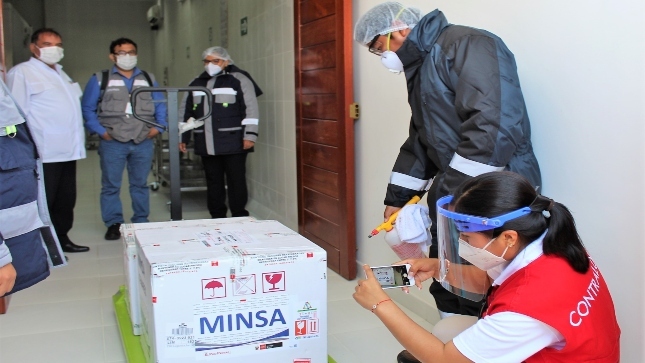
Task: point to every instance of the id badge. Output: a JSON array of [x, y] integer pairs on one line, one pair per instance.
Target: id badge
[[128, 109]]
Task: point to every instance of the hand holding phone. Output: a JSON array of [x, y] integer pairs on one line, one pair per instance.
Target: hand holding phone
[[393, 276]]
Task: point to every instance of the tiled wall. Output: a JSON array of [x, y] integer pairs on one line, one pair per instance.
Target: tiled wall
[[266, 52]]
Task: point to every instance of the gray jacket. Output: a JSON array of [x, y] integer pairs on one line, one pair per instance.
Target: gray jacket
[[112, 110], [468, 112]]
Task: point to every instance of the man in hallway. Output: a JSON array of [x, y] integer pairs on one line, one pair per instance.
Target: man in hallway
[[226, 138], [51, 102], [468, 113], [124, 139]]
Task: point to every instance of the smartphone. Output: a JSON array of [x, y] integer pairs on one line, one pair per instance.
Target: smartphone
[[393, 276]]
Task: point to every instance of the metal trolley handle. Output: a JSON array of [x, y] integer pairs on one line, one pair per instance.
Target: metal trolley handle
[[173, 135]]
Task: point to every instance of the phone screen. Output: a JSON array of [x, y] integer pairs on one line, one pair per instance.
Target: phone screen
[[392, 276]]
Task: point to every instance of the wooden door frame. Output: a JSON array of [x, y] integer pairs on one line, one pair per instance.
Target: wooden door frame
[[345, 96]]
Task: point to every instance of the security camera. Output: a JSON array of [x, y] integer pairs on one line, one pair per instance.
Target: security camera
[[154, 17]]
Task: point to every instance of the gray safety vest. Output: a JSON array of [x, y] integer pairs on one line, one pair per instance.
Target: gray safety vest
[[112, 114]]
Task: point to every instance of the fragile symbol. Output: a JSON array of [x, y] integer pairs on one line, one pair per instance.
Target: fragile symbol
[[274, 281]]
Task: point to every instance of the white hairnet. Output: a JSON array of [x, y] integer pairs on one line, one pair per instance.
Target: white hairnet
[[384, 19], [218, 52]]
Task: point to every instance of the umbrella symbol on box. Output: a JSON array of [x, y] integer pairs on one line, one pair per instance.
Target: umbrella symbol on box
[[210, 287], [213, 285]]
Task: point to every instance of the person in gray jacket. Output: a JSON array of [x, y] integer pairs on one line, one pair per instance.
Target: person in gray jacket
[[228, 135], [125, 140], [468, 112]]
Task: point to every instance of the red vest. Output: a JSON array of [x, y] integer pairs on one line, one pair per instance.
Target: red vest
[[577, 305]]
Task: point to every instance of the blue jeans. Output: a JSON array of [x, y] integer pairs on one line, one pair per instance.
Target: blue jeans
[[114, 157]]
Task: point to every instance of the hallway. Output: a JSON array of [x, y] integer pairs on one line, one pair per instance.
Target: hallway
[[69, 318]]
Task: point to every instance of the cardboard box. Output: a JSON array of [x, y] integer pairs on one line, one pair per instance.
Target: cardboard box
[[131, 276], [130, 263], [247, 291]]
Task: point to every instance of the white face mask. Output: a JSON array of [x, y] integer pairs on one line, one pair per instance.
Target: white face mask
[[51, 55], [212, 69], [390, 59], [126, 62], [482, 259], [392, 62]]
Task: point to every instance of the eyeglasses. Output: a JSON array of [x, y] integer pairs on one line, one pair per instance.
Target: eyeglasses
[[214, 61], [374, 46], [132, 52]]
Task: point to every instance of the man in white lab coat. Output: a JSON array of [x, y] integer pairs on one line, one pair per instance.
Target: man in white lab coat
[[51, 102]]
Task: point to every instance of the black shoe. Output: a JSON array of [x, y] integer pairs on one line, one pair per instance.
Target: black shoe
[[69, 246], [406, 357], [113, 232]]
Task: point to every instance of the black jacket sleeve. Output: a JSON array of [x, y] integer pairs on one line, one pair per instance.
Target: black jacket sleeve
[[489, 100]]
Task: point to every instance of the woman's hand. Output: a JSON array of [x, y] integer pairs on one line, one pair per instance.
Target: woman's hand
[[369, 291], [421, 269]]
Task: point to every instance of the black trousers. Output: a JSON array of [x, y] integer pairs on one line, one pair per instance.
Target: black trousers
[[60, 187], [226, 172]]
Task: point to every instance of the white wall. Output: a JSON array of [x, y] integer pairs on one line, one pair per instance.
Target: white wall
[[267, 53], [183, 35], [31, 10], [89, 26], [581, 66]]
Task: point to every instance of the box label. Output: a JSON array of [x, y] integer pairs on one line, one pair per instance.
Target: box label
[[242, 326]]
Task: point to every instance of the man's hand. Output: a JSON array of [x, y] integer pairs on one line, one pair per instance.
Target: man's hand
[[389, 210], [7, 278], [153, 132], [182, 147], [248, 144], [106, 136]]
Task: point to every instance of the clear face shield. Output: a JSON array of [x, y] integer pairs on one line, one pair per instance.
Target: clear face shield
[[456, 273]]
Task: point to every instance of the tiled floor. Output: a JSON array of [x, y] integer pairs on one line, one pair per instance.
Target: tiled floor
[[69, 317]]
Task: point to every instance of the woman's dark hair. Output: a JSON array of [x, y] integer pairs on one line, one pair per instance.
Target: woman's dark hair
[[493, 194], [121, 41]]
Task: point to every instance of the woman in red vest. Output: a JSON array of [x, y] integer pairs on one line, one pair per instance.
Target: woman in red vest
[[546, 298]]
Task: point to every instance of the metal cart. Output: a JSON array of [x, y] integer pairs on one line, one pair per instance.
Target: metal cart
[[191, 171], [172, 147]]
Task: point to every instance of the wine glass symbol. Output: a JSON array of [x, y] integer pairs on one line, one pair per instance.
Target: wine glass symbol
[[273, 279], [300, 325]]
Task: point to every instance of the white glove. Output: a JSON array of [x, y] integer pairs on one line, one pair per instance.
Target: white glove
[[189, 125]]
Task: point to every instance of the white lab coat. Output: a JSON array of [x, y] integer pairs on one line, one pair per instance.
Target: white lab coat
[[51, 102]]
